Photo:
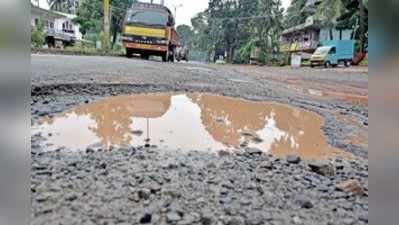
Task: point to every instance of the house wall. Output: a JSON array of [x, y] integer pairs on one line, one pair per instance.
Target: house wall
[[48, 21], [308, 39], [325, 35]]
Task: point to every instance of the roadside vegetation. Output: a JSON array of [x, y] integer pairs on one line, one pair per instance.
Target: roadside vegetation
[[240, 29], [37, 35]]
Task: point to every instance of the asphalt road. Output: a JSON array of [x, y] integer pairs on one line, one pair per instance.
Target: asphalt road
[[136, 185]]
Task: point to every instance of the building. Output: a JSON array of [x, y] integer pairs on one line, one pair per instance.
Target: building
[[305, 38], [59, 28]]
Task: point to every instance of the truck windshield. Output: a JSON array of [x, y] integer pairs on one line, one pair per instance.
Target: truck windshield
[[151, 18], [322, 50]]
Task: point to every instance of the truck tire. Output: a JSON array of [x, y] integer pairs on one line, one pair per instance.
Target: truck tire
[[129, 53], [165, 57], [171, 58], [145, 56], [327, 64], [347, 63]]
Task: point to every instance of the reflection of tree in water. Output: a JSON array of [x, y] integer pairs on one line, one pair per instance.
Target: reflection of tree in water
[[114, 116], [239, 117], [302, 134]]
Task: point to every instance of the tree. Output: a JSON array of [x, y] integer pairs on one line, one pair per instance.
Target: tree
[[296, 13], [355, 17], [201, 42], [186, 34], [38, 36], [90, 15], [328, 13], [66, 6], [238, 26]]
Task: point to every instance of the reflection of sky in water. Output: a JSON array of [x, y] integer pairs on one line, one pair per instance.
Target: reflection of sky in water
[[188, 122], [180, 127], [269, 134], [65, 135]]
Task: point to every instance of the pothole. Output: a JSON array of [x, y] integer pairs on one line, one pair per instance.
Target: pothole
[[187, 122]]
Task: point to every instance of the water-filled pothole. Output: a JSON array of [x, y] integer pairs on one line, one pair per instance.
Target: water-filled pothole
[[187, 122]]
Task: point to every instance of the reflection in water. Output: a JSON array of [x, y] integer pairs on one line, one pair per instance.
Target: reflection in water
[[190, 122]]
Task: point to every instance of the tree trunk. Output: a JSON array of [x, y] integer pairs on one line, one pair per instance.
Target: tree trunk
[[331, 34], [362, 25], [114, 36]]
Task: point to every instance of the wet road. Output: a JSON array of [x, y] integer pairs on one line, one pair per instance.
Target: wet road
[[340, 94], [154, 185], [334, 83]]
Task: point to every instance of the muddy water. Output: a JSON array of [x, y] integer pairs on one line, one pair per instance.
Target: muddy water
[[189, 122]]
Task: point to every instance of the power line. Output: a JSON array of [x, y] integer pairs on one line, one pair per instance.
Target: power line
[[241, 18]]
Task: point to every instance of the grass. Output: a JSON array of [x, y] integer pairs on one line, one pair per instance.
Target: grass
[[82, 49], [365, 62]]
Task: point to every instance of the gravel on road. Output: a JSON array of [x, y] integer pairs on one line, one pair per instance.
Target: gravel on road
[[137, 185]]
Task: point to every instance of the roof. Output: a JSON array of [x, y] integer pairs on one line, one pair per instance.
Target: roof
[[144, 5], [70, 16], [46, 12], [310, 23]]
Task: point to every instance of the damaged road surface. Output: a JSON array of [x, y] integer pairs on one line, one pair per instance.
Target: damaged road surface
[[122, 141]]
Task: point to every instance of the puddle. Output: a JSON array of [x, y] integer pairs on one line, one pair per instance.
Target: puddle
[[189, 122]]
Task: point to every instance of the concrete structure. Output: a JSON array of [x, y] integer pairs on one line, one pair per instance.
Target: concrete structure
[[306, 37]]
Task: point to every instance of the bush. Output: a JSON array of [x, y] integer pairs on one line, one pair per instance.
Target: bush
[[37, 35]]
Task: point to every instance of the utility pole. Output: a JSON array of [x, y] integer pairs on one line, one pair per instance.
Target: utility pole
[[106, 37], [176, 7]]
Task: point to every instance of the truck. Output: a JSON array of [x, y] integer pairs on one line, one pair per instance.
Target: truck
[[149, 29], [332, 53]]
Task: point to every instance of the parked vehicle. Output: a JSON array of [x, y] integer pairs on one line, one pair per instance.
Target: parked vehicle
[[148, 30], [332, 53]]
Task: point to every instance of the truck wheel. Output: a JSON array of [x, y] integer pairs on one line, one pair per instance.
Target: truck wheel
[[145, 56], [327, 64], [347, 63], [172, 58], [129, 53], [165, 57]]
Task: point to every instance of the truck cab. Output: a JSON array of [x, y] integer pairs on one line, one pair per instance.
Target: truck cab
[[332, 53], [148, 30]]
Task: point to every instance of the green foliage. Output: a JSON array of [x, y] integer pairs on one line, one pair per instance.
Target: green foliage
[[92, 51], [355, 17], [296, 13], [186, 35], [328, 12], [364, 62], [90, 15], [238, 26], [37, 35], [67, 6]]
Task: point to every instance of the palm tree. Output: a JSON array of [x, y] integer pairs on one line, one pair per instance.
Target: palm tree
[[328, 12]]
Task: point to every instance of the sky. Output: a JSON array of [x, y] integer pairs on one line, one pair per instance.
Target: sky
[[187, 10], [191, 7]]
